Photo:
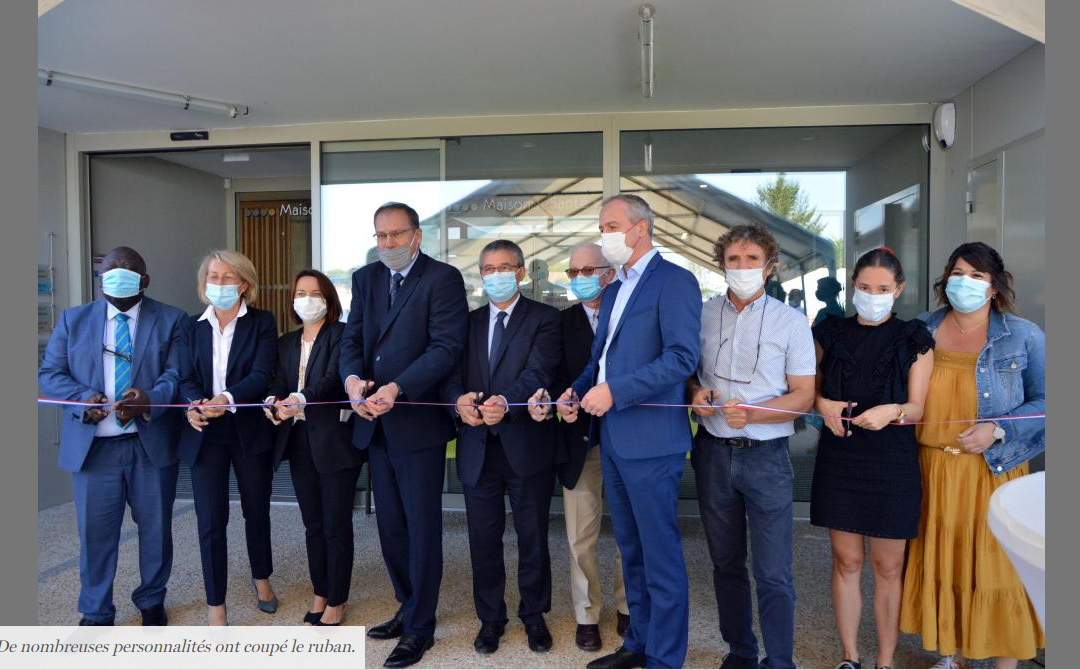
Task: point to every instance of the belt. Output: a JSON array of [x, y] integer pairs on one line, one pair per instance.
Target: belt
[[737, 442], [952, 451], [117, 438]]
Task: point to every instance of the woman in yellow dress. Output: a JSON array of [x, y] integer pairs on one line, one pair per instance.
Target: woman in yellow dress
[[961, 593]]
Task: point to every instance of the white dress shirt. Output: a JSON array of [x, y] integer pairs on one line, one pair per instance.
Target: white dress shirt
[[493, 316], [222, 346], [629, 280], [108, 426], [594, 316]]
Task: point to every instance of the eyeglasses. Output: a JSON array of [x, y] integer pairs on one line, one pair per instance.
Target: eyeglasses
[[124, 357], [492, 269], [737, 373], [393, 235], [586, 271]]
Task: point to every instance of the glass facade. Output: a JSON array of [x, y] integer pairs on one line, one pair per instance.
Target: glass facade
[[826, 193]]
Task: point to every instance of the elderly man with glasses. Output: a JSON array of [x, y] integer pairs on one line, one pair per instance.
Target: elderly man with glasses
[[754, 350]]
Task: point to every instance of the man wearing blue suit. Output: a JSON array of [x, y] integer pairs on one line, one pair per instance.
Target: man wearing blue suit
[[513, 348], [404, 336], [122, 352], [647, 345]]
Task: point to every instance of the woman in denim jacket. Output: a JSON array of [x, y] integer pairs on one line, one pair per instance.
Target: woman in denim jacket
[[961, 593]]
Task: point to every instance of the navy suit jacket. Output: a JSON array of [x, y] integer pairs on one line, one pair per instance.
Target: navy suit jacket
[[330, 439], [654, 350], [526, 360], [250, 370], [416, 344], [73, 369]]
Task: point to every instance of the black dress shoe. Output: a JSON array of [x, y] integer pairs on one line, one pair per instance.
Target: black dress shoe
[[312, 617], [487, 640], [736, 661], [387, 630], [539, 636], [154, 616], [622, 624], [587, 637], [90, 622], [622, 658], [410, 649]]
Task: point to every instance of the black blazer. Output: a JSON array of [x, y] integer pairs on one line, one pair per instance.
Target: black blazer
[[330, 438], [577, 339], [525, 362], [248, 375], [416, 344]]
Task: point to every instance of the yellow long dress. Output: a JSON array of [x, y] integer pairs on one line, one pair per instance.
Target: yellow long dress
[[960, 590]]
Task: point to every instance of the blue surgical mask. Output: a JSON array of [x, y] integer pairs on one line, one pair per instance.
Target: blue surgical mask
[[500, 286], [585, 288], [966, 294], [121, 283], [222, 296]]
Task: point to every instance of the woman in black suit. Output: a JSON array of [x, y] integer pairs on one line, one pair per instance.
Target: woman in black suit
[[230, 360], [317, 441]]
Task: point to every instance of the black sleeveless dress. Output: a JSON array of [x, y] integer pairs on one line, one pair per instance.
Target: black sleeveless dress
[[868, 483]]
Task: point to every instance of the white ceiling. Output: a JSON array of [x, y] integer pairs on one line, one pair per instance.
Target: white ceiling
[[334, 60], [261, 163]]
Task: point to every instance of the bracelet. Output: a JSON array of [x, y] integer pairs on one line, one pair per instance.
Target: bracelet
[[900, 413]]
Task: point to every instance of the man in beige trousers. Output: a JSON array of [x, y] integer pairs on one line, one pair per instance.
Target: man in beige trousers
[[578, 465]]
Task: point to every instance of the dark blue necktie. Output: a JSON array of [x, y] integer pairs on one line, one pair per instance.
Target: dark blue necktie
[[398, 278], [497, 335]]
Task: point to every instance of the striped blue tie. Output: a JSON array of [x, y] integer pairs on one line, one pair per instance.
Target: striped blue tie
[[122, 361]]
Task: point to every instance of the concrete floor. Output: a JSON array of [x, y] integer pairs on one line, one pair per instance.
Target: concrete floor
[[816, 642]]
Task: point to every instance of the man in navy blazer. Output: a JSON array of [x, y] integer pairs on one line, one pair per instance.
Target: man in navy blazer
[[513, 348], [404, 336], [647, 345], [124, 352]]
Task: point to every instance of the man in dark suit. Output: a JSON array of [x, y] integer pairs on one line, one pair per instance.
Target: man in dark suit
[[577, 461], [647, 344], [125, 351], [405, 334], [513, 348]]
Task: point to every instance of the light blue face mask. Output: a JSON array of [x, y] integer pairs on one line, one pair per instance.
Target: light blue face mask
[[222, 296], [121, 283], [500, 286], [585, 288], [966, 294]]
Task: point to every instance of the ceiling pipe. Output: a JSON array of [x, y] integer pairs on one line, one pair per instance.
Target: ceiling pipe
[[645, 36]]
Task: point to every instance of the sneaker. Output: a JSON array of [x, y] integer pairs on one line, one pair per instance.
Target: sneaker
[[947, 663], [848, 664]]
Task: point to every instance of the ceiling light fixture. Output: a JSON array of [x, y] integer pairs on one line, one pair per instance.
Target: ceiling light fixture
[[236, 157], [79, 83], [645, 37]]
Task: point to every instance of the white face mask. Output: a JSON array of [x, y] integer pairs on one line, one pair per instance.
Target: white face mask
[[309, 308], [614, 247], [746, 282], [873, 307]]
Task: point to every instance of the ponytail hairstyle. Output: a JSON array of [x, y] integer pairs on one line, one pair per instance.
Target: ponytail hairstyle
[[880, 257]]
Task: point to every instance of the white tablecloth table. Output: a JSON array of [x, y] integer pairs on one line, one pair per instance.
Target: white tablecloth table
[[1018, 520]]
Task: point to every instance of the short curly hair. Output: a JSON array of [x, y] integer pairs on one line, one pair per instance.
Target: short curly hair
[[749, 232]]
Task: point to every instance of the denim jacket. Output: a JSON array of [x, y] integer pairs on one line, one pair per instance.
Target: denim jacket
[[1010, 376]]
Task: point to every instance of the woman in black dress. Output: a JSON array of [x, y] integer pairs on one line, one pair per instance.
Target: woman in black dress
[[874, 368]]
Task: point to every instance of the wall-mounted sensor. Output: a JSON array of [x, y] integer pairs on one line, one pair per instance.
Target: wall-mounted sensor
[[945, 124]]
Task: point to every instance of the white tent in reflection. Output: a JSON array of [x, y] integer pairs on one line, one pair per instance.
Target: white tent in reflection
[[548, 216]]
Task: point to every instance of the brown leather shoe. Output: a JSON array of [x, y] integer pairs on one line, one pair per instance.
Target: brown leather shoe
[[622, 624], [588, 637]]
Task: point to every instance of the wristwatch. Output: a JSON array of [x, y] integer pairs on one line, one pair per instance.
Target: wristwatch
[[999, 433], [900, 413]]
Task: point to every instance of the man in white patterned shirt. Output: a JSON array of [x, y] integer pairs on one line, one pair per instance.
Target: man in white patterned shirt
[[754, 350]]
